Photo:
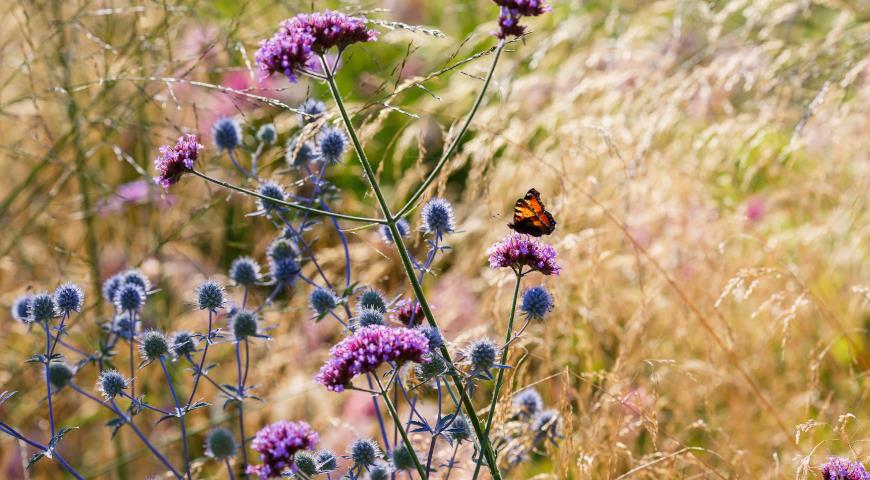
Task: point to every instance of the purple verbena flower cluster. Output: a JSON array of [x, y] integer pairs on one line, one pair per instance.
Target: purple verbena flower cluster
[[839, 468], [368, 348], [292, 48], [174, 161], [519, 251], [278, 443], [511, 11]]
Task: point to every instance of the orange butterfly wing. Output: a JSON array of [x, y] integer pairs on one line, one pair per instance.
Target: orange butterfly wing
[[531, 217]]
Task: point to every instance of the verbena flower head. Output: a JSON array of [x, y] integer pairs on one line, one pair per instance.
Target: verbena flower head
[[322, 301], [407, 310], [267, 134], [364, 452], [300, 155], [528, 402], [42, 308], [21, 307], [210, 295], [511, 11], [326, 461], [839, 468], [310, 110], [460, 429], [274, 191], [368, 317], [537, 302], [69, 297], [331, 144], [292, 48], [402, 458], [520, 251], [111, 383], [245, 271], [226, 133], [111, 286], [402, 226], [176, 160], [129, 298], [305, 463], [372, 299], [481, 354], [546, 427], [245, 324], [135, 277], [153, 345], [220, 444], [368, 348], [437, 217], [278, 443], [183, 344], [59, 374]]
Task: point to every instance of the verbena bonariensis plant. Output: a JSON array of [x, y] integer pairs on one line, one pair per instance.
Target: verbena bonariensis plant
[[372, 355]]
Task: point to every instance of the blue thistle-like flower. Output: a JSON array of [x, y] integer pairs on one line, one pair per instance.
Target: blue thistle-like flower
[[111, 383], [120, 325], [546, 427], [326, 461], [372, 299], [220, 444], [69, 297], [245, 271], [528, 403], [402, 226], [434, 336], [183, 344], [364, 452], [226, 133], [537, 302], [153, 345], [310, 110], [135, 277], [402, 458], [210, 295], [245, 324], [284, 271], [267, 134], [436, 366], [437, 217], [459, 429], [305, 463], [331, 144], [111, 286], [42, 308], [59, 374], [482, 354], [322, 301], [368, 317], [280, 249], [297, 155], [379, 472], [21, 307], [274, 191]]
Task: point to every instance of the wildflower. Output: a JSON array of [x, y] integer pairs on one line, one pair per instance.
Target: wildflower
[[305, 463], [364, 452], [839, 468], [511, 11], [220, 444], [437, 217], [210, 295], [459, 429], [111, 286], [111, 383], [537, 302], [481, 355], [380, 472], [226, 134], [367, 349], [368, 317], [433, 335], [518, 251], [245, 271], [59, 374], [245, 324], [278, 443], [545, 426], [300, 155], [20, 308], [372, 299], [403, 458], [402, 226], [135, 277], [267, 134], [129, 298], [183, 344], [121, 325], [407, 310], [153, 345], [310, 110], [284, 271], [280, 249], [175, 161], [331, 143], [528, 402], [326, 461], [42, 308], [69, 297], [435, 367], [322, 301]]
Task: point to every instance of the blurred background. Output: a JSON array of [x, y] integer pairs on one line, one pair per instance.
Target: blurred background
[[708, 164]]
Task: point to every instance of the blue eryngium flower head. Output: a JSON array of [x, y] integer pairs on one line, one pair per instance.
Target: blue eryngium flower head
[[402, 226], [220, 444], [42, 308], [363, 452], [21, 307], [210, 295], [402, 458], [267, 134], [482, 354], [59, 374], [111, 286], [537, 302], [322, 301], [326, 461], [245, 324], [299, 155], [305, 463], [528, 403], [546, 426], [280, 249], [135, 277], [435, 367], [153, 345], [438, 217], [183, 344], [331, 143], [69, 297], [460, 429], [434, 336], [368, 317], [274, 191], [380, 472], [310, 110], [226, 133], [372, 299], [129, 298], [284, 271], [111, 383], [245, 271]]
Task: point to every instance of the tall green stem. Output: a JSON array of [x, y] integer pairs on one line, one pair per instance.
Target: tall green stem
[[485, 445], [398, 421], [500, 377]]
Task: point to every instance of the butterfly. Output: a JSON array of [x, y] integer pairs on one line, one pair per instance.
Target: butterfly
[[531, 217]]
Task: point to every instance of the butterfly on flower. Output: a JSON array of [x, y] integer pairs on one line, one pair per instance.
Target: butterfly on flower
[[531, 217]]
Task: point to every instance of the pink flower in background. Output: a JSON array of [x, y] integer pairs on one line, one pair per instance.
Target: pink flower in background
[[137, 192], [755, 209]]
